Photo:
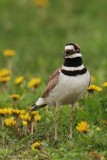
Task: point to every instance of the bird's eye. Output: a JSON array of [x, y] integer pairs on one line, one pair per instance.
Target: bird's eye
[[68, 52]]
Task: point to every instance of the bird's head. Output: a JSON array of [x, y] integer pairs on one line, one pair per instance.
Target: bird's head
[[71, 49]]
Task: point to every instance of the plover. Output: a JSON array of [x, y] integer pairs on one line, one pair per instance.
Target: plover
[[66, 85]]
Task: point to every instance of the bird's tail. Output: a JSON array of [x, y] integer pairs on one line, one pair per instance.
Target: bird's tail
[[38, 105], [35, 107]]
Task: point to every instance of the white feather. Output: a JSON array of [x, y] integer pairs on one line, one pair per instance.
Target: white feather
[[69, 89], [73, 68], [40, 102], [69, 47]]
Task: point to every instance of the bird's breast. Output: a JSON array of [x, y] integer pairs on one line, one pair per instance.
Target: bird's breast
[[69, 88]]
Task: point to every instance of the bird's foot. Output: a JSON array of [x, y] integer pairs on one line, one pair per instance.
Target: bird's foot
[[56, 139], [70, 137]]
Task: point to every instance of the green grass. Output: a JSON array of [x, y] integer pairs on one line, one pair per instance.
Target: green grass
[[36, 33], [38, 36]]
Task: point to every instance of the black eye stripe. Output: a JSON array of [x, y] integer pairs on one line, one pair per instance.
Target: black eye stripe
[[69, 51]]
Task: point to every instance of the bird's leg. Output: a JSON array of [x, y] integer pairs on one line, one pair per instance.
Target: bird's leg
[[71, 117], [47, 110], [56, 123]]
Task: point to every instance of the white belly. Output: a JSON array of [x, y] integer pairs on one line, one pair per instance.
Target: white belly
[[68, 89]]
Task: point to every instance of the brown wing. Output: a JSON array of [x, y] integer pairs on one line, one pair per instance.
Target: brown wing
[[54, 74], [52, 81]]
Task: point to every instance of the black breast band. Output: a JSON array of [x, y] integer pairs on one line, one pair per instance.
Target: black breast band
[[74, 73]]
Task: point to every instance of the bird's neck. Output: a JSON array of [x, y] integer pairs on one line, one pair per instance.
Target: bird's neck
[[73, 62], [73, 66]]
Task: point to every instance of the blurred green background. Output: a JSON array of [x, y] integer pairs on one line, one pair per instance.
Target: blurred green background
[[39, 33]]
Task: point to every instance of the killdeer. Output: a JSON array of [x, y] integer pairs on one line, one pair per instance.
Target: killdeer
[[66, 85]]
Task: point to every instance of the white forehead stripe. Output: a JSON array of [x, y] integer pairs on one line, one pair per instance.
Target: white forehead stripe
[[69, 47]]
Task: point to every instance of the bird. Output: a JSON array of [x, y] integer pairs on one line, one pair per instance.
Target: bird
[[65, 85]]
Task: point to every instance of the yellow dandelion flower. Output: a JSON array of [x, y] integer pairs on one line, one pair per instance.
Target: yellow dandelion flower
[[24, 123], [25, 117], [5, 111], [10, 121], [16, 111], [98, 89], [36, 145], [15, 97], [5, 72], [8, 110], [37, 117], [19, 80], [83, 127], [41, 3], [105, 84], [1, 112], [92, 88], [5, 79], [22, 111], [34, 113], [9, 53], [34, 82]]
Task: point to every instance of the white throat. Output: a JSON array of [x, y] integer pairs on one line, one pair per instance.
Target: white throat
[[73, 68]]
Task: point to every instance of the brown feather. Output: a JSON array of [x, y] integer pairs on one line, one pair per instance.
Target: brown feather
[[52, 81]]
